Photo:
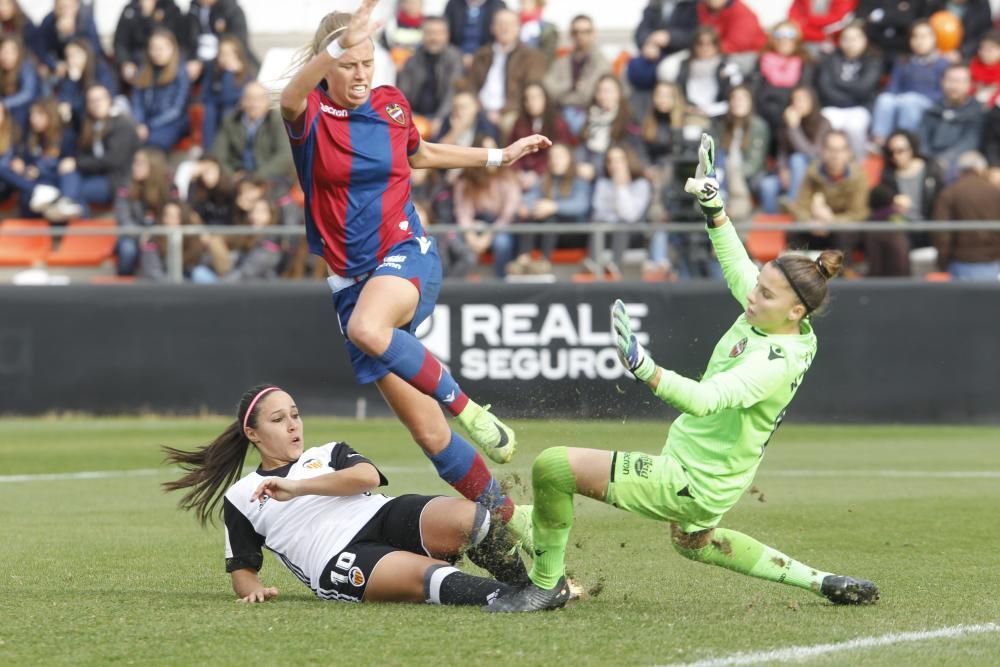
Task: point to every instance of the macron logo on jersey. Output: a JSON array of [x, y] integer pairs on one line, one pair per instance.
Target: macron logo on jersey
[[336, 113]]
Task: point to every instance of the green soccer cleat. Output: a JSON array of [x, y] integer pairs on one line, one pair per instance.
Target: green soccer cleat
[[491, 435], [531, 598], [520, 527], [847, 590]]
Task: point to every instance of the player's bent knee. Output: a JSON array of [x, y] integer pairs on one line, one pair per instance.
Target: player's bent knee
[[551, 468], [371, 339]]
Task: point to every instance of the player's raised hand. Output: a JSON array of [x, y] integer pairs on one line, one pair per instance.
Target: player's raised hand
[[261, 595], [278, 488], [361, 26], [704, 185], [630, 352], [525, 146]]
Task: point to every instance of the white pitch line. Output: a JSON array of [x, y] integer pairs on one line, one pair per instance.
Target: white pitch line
[[799, 653], [92, 474]]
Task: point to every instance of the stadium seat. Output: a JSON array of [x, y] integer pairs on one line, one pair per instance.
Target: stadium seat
[[196, 119], [84, 250], [23, 250], [620, 62], [873, 168], [767, 244], [938, 277]]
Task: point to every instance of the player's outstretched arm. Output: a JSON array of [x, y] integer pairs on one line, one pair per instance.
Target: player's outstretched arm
[[248, 587], [296, 91], [447, 156], [347, 482]]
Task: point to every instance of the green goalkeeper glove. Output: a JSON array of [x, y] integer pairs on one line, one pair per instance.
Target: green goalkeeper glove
[[630, 352], [704, 185]]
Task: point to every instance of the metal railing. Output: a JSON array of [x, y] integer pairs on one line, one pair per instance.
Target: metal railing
[[599, 230]]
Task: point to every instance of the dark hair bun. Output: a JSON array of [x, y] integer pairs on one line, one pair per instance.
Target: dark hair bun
[[830, 263]]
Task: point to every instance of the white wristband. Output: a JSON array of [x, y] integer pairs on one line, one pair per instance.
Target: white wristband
[[335, 50], [494, 157]]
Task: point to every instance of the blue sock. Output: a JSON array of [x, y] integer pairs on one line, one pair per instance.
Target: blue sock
[[465, 470], [409, 359]]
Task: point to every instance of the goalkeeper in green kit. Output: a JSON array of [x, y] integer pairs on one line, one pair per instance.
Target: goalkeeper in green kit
[[713, 449]]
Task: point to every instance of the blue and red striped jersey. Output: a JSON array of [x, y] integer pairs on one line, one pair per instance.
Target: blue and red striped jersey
[[354, 170]]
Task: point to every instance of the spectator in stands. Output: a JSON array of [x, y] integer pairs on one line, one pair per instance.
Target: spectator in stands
[[429, 76], [14, 22], [40, 153], [742, 149], [887, 254], [68, 19], [104, 156], [139, 203], [737, 25], [138, 20], [621, 196], [34, 196], [83, 70], [609, 121], [538, 116], [976, 21], [19, 81], [847, 81], [640, 73], [670, 24], [211, 192], [887, 24], [572, 78], [536, 32], [662, 128], [955, 124], [969, 255], [835, 190], [985, 70], [559, 196], [784, 64], [204, 257], [466, 123], [222, 86], [914, 181], [490, 197], [207, 22], [405, 29], [914, 86], [470, 23], [249, 191], [501, 70], [160, 93], [706, 77], [799, 144], [991, 136], [257, 257], [252, 139], [820, 20]]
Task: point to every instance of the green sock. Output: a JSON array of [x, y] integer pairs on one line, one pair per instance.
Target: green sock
[[741, 553], [554, 485]]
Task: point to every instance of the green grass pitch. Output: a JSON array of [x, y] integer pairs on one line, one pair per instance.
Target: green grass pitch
[[108, 571]]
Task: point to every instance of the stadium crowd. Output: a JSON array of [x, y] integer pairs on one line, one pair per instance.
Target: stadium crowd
[[171, 127]]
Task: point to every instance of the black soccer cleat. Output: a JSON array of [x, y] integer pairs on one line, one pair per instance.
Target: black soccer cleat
[[531, 598], [847, 590]]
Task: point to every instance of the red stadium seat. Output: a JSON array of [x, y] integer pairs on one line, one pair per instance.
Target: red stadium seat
[[767, 244], [873, 168], [84, 250], [23, 250]]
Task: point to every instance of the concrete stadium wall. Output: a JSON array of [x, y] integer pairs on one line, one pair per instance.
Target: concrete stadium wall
[[888, 351]]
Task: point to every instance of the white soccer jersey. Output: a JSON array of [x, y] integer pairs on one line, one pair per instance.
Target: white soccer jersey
[[304, 532]]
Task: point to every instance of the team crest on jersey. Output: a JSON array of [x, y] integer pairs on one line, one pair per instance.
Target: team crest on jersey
[[396, 113], [313, 464], [738, 349], [356, 576]]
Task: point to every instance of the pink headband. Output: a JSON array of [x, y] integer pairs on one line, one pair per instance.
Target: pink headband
[[246, 417]]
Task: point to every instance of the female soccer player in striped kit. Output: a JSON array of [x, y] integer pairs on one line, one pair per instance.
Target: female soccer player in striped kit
[[353, 149], [713, 449], [316, 510]]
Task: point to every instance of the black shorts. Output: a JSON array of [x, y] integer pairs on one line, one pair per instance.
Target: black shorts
[[395, 527]]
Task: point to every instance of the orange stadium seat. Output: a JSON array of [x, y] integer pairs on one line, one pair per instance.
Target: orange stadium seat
[[873, 168], [767, 244], [23, 250], [84, 250]]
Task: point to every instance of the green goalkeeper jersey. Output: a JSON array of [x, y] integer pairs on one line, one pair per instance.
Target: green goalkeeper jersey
[[730, 415]]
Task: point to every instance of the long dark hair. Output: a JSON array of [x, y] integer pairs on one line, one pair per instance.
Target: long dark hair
[[147, 77], [11, 78], [549, 113], [212, 469]]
